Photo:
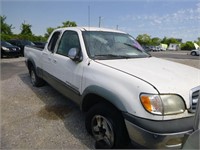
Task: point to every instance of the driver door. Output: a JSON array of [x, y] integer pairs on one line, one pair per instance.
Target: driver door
[[67, 71]]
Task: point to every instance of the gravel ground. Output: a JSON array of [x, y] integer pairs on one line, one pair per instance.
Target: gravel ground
[[41, 118], [38, 118]]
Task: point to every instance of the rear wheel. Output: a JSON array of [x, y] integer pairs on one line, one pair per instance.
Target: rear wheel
[[105, 123], [35, 80]]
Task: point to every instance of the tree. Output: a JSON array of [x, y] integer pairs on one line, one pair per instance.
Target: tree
[[64, 24], [69, 24], [198, 41], [5, 28], [144, 39], [49, 31], [26, 29], [189, 45], [155, 41], [170, 40]]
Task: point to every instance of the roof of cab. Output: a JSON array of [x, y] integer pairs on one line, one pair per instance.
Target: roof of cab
[[90, 29]]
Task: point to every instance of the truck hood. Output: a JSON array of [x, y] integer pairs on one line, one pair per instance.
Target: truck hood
[[166, 76]]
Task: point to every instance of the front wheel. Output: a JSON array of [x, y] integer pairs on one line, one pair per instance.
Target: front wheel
[[193, 53], [105, 123]]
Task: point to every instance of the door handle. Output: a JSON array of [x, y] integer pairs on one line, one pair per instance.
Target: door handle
[[44, 54], [54, 61]]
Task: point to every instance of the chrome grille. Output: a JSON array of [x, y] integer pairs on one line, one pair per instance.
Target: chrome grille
[[194, 96]]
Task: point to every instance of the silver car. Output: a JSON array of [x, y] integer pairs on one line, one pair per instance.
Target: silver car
[[195, 52]]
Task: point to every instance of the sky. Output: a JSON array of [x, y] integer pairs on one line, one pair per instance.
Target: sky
[[157, 18]]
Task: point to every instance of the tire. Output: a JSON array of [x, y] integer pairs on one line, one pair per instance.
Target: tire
[[35, 80], [106, 124], [193, 53]]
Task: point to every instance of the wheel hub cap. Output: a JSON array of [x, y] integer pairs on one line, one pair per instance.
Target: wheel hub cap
[[103, 130]]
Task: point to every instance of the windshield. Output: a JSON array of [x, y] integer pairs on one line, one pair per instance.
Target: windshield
[[26, 42], [3, 43], [112, 45]]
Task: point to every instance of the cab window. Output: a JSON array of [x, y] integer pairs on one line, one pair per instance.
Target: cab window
[[69, 40], [53, 41]]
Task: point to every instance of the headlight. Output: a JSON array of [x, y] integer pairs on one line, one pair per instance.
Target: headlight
[[5, 48], [162, 104]]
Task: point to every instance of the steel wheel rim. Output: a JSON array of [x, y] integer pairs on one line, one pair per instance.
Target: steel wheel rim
[[103, 130]]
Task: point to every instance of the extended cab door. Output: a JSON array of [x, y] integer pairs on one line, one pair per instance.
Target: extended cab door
[[47, 55]]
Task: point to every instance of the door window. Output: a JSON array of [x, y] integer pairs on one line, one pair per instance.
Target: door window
[[69, 40]]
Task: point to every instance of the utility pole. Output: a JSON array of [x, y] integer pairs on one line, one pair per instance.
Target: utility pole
[[99, 21], [117, 27]]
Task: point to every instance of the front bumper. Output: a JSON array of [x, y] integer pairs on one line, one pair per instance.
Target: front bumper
[[11, 53], [158, 134]]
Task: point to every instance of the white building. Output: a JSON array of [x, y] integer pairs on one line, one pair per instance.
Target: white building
[[174, 47]]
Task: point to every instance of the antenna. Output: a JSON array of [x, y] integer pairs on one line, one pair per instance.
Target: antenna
[[88, 15]]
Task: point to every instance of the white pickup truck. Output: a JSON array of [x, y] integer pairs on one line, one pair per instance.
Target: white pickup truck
[[127, 94]]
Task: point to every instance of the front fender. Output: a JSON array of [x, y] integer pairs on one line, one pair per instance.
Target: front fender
[[117, 87], [107, 95]]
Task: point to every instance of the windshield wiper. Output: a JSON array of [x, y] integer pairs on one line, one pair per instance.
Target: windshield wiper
[[111, 56], [133, 46], [140, 50]]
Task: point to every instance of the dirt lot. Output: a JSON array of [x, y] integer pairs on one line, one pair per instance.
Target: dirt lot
[[41, 118], [37, 118]]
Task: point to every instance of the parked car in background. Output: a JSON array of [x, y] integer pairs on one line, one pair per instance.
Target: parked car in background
[[146, 48], [21, 44], [158, 49], [8, 49], [152, 48], [195, 52], [40, 44]]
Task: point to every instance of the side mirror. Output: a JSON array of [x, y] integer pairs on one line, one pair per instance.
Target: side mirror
[[74, 54]]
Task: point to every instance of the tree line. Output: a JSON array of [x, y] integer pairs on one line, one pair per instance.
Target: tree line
[[145, 39], [26, 33]]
